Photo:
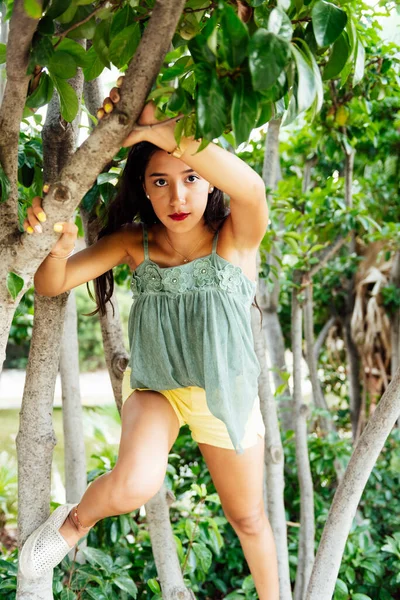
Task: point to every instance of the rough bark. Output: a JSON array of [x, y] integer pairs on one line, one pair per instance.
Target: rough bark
[[307, 524], [20, 36], [353, 357], [319, 342], [36, 439], [395, 319], [164, 547], [83, 167], [348, 494], [274, 463], [269, 299], [59, 142], [74, 442]]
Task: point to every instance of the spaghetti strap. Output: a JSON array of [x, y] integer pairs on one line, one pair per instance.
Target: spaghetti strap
[[145, 241], [215, 242]]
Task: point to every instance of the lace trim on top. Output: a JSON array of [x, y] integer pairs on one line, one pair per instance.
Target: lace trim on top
[[198, 274]]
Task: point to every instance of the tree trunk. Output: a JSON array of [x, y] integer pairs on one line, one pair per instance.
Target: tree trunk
[[269, 299], [348, 494], [164, 547], [3, 40], [274, 462], [353, 357], [59, 141], [74, 441], [395, 319], [35, 439], [307, 526]]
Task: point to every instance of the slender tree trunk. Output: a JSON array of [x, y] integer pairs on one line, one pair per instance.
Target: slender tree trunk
[[353, 357], [274, 462], [348, 494], [395, 320], [36, 439], [74, 441], [269, 299], [164, 547], [59, 141], [3, 40], [307, 525], [319, 342]]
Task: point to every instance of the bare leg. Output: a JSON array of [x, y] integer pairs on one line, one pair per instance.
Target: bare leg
[[239, 482], [149, 429]]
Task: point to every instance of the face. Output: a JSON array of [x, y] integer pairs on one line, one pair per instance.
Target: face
[[173, 187]]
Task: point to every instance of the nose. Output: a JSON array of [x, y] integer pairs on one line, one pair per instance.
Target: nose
[[177, 195]]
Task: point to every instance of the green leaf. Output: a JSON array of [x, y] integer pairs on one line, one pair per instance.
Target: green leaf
[[75, 50], [280, 24], [211, 123], [5, 186], [42, 51], [3, 50], [46, 26], [232, 28], [62, 65], [94, 65], [33, 8], [154, 586], [43, 93], [306, 88], [15, 283], [338, 58], [127, 584], [268, 56], [265, 113], [68, 594], [181, 66], [90, 199], [244, 110], [122, 19], [359, 64], [124, 45], [57, 8], [98, 557], [360, 597], [101, 41], [68, 99], [203, 554], [284, 4], [328, 22], [87, 29], [341, 590]]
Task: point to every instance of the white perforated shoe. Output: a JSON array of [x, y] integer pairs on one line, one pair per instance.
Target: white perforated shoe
[[45, 547]]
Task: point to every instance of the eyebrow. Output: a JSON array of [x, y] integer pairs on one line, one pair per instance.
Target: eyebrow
[[166, 174]]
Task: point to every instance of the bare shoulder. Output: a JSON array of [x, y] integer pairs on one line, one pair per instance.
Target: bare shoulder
[[228, 248], [132, 238]]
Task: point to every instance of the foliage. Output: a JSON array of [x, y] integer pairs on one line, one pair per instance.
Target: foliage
[[119, 557]]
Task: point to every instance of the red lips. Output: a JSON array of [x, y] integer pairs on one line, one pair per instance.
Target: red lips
[[179, 216]]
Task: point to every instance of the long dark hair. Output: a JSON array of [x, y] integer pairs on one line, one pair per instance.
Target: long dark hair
[[131, 204]]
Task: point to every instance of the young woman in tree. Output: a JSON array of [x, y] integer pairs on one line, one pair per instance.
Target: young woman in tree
[[192, 357]]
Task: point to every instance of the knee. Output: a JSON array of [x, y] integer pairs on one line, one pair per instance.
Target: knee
[[130, 491], [251, 523]]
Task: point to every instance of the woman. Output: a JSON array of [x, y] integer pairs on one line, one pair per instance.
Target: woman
[[192, 356]]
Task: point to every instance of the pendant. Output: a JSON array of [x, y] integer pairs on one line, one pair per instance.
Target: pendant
[[185, 260]]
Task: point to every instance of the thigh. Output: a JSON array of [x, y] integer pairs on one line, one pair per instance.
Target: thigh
[[238, 478], [149, 429]]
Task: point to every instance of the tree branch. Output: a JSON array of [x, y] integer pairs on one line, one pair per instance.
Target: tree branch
[[22, 28], [326, 254], [100, 147]]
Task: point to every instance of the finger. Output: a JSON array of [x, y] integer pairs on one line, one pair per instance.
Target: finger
[[120, 80], [66, 228], [100, 113], [108, 106], [37, 209], [114, 95], [27, 227], [33, 220]]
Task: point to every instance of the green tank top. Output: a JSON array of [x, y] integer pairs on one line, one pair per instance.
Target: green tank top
[[190, 325]]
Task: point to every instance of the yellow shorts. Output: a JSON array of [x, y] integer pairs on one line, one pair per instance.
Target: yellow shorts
[[191, 408]]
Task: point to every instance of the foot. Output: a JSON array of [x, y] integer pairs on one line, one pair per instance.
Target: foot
[[71, 530]]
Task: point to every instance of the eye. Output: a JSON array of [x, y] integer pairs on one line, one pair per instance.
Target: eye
[[161, 184], [195, 177]]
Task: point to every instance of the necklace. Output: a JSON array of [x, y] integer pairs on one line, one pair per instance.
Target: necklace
[[185, 258]]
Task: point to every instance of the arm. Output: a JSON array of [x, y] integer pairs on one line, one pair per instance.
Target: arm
[[246, 189], [56, 276]]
